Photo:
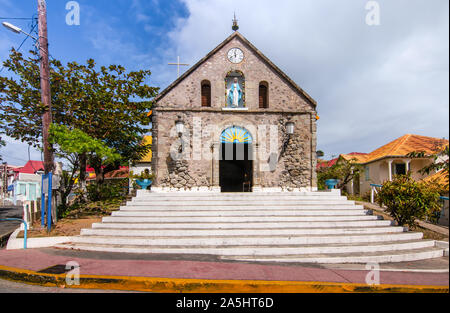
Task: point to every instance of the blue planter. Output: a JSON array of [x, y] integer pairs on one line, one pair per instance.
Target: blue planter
[[331, 183], [144, 183]]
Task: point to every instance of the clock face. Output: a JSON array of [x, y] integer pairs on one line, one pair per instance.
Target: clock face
[[235, 55]]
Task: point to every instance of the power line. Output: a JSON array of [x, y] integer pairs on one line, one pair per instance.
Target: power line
[[15, 158], [33, 27], [17, 18]]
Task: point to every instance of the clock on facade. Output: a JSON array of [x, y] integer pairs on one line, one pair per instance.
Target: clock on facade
[[235, 55]]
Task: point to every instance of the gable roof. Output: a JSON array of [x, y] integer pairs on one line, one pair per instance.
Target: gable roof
[[31, 167], [404, 145], [354, 156], [325, 163], [231, 37]]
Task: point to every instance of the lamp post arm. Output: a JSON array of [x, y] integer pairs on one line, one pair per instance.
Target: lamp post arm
[[29, 35]]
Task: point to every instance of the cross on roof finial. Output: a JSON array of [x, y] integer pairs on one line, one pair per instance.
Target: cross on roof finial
[[235, 24], [178, 66]]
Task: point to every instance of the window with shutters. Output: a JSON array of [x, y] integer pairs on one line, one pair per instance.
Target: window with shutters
[[263, 95], [206, 93]]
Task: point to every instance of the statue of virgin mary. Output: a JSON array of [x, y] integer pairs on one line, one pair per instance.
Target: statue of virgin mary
[[234, 94]]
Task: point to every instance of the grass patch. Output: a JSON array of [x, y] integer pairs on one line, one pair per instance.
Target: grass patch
[[79, 216]]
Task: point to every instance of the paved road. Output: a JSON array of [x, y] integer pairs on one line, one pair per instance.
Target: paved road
[[9, 226], [13, 287]]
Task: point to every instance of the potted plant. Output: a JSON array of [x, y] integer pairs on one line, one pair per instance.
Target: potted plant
[[144, 179]]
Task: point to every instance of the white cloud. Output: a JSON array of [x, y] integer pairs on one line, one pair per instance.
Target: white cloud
[[16, 153]]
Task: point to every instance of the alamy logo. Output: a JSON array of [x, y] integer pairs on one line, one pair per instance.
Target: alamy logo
[[373, 16], [73, 16], [73, 275], [373, 276]]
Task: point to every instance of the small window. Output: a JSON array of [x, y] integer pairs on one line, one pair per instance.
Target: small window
[[22, 190], [206, 94], [367, 173], [32, 194], [263, 95]]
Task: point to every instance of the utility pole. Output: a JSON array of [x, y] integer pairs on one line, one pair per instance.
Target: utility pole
[[4, 182], [45, 85]]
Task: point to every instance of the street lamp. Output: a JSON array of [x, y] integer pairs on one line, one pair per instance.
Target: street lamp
[[179, 125], [289, 131], [290, 128], [17, 30]]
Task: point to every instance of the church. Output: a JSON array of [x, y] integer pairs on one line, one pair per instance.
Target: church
[[234, 122]]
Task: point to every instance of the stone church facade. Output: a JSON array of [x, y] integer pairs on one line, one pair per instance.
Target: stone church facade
[[234, 122]]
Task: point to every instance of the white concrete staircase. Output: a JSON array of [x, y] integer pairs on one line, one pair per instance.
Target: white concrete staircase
[[312, 227]]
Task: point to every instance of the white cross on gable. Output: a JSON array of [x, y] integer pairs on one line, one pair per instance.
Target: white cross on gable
[[178, 64]]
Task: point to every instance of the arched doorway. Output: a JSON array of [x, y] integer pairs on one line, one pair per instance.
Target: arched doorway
[[236, 160]]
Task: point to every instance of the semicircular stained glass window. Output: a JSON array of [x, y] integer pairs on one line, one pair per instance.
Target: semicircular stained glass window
[[236, 134]]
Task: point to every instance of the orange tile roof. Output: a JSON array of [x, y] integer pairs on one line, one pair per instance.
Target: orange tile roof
[[404, 145], [440, 177], [358, 157]]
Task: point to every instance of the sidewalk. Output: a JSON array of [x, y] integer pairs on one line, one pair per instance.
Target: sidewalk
[[177, 273]]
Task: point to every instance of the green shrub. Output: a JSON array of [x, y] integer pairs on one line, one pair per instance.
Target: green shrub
[[407, 200], [106, 191]]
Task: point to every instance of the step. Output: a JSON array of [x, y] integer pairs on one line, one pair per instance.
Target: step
[[243, 204], [210, 194], [285, 250], [241, 232], [225, 224], [243, 198], [301, 254], [252, 212], [275, 241], [374, 257], [238, 207], [236, 218]]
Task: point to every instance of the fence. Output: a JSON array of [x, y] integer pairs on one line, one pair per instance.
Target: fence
[[373, 191]]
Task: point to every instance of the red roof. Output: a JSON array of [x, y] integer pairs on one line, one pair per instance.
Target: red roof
[[31, 167], [330, 163], [325, 163], [92, 170], [122, 172]]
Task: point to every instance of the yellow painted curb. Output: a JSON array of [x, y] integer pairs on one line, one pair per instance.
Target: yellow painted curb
[[178, 285]]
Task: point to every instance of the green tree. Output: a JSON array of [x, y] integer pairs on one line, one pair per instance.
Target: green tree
[[108, 104], [342, 170], [2, 144], [71, 144]]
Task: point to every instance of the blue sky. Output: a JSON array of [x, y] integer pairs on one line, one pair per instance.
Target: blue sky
[[373, 84]]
